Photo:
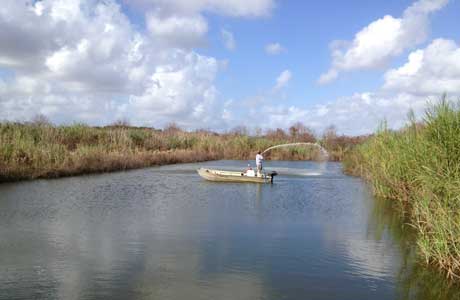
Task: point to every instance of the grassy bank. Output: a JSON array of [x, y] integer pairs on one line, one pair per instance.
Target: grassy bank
[[418, 169], [42, 150]]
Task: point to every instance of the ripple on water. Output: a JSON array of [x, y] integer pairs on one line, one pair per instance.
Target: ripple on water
[[166, 233]]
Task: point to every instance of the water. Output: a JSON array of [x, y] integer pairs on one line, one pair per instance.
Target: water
[[165, 233], [323, 151]]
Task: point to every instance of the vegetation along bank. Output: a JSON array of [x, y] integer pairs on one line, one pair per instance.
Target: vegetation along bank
[[418, 169], [41, 150]]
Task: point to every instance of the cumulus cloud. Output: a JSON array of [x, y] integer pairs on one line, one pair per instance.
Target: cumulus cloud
[[191, 78], [329, 76], [282, 80], [374, 45], [274, 49], [360, 113], [70, 58], [248, 108], [427, 73], [84, 60], [433, 70], [228, 39], [176, 30], [235, 8]]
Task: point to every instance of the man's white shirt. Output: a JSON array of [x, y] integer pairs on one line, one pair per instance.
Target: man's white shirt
[[259, 159]]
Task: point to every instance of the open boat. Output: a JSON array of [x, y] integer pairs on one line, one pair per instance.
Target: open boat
[[231, 176]]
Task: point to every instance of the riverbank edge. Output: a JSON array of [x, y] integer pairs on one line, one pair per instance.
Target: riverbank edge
[[417, 169], [107, 163], [423, 258], [43, 150], [114, 162]]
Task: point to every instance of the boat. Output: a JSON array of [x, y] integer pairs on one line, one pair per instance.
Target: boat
[[232, 176]]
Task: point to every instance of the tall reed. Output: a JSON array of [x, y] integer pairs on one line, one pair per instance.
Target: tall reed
[[418, 169], [39, 150]]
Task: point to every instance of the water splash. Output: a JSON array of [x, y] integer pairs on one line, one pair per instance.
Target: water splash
[[323, 151], [296, 172]]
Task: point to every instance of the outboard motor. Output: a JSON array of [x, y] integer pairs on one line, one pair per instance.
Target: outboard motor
[[272, 174]]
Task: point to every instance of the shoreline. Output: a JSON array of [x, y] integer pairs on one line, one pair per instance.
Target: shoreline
[[115, 163], [163, 159], [43, 150], [416, 171]]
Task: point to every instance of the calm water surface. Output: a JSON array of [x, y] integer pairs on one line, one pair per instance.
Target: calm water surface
[[164, 233]]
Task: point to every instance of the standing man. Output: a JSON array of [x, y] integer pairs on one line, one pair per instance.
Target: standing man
[[259, 160]]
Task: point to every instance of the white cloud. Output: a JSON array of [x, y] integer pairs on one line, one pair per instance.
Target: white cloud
[[274, 49], [228, 39], [360, 113], [433, 70], [178, 31], [283, 79], [249, 108], [234, 8], [83, 60], [383, 39], [427, 74], [329, 76], [184, 89]]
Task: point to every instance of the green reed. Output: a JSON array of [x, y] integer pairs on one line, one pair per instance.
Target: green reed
[[418, 169], [40, 150]]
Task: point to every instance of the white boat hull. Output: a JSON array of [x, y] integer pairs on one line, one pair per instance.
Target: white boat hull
[[230, 176]]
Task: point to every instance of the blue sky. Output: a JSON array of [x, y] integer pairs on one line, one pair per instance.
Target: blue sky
[[204, 63], [305, 29]]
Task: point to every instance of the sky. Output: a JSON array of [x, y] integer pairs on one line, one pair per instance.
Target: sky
[[219, 64]]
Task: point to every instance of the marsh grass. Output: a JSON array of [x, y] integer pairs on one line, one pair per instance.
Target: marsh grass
[[41, 150], [418, 169]]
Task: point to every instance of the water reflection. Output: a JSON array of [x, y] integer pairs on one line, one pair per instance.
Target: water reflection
[[414, 279], [164, 233]]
